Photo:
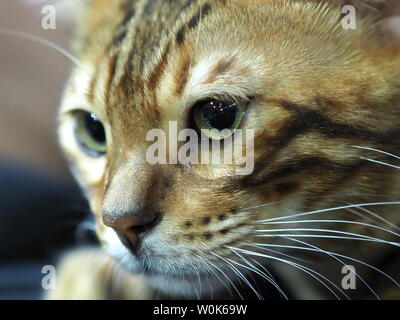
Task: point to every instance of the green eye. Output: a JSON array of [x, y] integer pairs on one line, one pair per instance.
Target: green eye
[[90, 134], [223, 116]]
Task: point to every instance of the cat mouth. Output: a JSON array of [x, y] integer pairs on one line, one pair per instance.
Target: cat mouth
[[184, 284], [159, 267], [179, 281]]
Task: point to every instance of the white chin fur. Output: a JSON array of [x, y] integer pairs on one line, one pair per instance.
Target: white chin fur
[[187, 288], [179, 285]]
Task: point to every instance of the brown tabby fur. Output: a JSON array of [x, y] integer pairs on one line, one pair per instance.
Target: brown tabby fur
[[317, 90]]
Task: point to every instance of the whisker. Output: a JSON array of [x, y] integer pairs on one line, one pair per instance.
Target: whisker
[[274, 282], [196, 272], [352, 259], [240, 275], [257, 271], [307, 270], [333, 196], [370, 212], [368, 204], [320, 236], [380, 162], [37, 39], [318, 249], [206, 264], [363, 216], [377, 150], [242, 214], [328, 231], [329, 221], [287, 255], [227, 278]]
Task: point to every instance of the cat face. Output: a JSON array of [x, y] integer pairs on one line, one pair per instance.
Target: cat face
[[308, 89]]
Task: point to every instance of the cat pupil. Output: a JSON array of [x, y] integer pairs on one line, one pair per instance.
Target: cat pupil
[[95, 128], [219, 115]]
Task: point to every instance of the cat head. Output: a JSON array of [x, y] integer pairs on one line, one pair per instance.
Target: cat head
[[304, 88]]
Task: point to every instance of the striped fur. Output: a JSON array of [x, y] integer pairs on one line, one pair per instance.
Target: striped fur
[[316, 90]]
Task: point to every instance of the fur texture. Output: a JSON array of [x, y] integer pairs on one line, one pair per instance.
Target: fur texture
[[315, 91]]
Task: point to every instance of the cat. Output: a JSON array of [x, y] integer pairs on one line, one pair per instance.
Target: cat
[[321, 204]]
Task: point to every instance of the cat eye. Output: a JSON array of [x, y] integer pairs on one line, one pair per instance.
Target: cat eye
[[90, 134], [220, 115]]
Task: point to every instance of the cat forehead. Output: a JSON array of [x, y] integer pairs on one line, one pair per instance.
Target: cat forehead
[[188, 50], [218, 74]]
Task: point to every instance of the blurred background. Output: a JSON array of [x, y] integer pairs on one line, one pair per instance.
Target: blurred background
[[40, 205]]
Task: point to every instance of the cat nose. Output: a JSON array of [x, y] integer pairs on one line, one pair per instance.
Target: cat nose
[[131, 228]]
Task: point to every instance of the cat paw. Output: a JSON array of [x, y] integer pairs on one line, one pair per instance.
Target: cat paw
[[93, 275]]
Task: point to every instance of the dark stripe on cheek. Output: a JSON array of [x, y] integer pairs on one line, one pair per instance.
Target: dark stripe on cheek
[[346, 174], [311, 119], [286, 188], [304, 120], [290, 168]]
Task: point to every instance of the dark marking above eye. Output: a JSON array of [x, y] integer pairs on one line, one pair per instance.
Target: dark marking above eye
[[221, 67]]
